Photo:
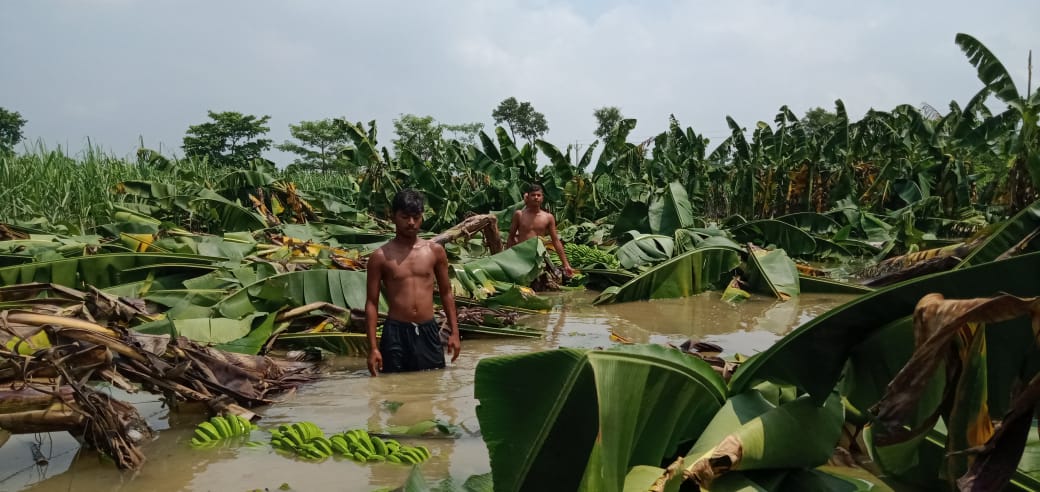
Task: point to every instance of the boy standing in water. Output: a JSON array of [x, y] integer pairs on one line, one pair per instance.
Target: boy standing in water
[[532, 221], [407, 267]]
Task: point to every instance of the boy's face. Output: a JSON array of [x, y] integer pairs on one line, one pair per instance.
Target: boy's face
[[407, 224], [534, 199]]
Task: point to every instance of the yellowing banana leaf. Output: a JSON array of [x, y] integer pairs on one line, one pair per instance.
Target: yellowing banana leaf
[[772, 272], [521, 297], [690, 273], [101, 271], [828, 339], [774, 232], [734, 293], [644, 249], [541, 413], [750, 433], [642, 477]]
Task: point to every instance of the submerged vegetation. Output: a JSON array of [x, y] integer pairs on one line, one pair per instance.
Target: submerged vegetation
[[190, 277]]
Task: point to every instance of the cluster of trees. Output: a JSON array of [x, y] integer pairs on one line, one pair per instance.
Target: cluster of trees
[[233, 139]]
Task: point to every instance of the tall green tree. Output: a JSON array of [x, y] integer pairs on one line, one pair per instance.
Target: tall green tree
[[11, 123], [817, 119], [607, 118], [230, 139], [419, 134], [521, 118], [322, 145]]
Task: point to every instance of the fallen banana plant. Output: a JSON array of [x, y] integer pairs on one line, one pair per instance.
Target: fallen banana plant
[[51, 351]]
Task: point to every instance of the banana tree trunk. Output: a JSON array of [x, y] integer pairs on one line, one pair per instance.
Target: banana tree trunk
[[24, 410], [487, 223]]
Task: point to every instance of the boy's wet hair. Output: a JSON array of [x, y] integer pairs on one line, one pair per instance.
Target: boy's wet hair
[[533, 187], [408, 201]]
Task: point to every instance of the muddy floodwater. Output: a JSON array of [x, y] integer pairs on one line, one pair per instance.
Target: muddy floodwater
[[346, 397]]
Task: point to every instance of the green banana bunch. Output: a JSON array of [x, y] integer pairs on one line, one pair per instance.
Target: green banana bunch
[[582, 256], [360, 446], [304, 439], [219, 428]]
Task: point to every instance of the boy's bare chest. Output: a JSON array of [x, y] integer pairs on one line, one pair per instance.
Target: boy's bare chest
[[534, 221], [415, 265]]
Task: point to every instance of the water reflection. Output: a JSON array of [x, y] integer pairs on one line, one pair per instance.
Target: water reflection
[[348, 398]]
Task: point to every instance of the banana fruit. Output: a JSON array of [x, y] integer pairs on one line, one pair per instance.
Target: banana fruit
[[304, 439], [360, 446], [220, 428], [582, 256]]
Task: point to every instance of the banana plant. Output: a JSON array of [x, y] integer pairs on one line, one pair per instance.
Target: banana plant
[[1024, 111]]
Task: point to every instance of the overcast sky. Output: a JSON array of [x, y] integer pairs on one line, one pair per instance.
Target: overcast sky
[[115, 71]]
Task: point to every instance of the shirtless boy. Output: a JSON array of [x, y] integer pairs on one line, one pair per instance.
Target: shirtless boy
[[407, 267], [532, 221]]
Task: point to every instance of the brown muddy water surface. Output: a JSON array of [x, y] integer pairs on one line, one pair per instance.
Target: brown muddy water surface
[[346, 397]]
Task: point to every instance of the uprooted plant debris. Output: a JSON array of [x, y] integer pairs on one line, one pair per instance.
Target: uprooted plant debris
[[57, 341]]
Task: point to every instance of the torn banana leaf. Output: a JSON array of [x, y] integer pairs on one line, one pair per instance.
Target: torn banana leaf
[[750, 433], [772, 272]]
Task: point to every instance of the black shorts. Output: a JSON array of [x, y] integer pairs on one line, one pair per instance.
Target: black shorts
[[408, 346]]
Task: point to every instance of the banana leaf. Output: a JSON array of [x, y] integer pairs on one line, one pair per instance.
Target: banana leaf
[[773, 272], [519, 265], [642, 477], [520, 297], [812, 222], [758, 435], [344, 288], [734, 293], [774, 232], [542, 414], [670, 209], [229, 215], [644, 249], [538, 418], [633, 218], [350, 344], [101, 271], [828, 339], [810, 284], [1006, 236], [201, 330], [478, 331], [690, 273]]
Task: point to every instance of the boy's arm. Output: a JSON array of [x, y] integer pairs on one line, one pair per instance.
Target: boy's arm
[[558, 246], [514, 225], [440, 271], [374, 276]]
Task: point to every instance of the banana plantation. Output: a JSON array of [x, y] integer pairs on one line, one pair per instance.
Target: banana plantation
[[214, 287]]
